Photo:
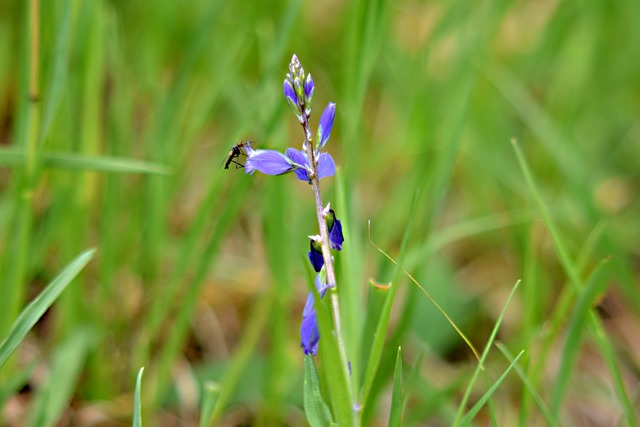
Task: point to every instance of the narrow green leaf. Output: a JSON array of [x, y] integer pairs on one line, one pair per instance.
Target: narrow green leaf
[[395, 415], [57, 76], [36, 308], [338, 388], [137, 406], [595, 286], [54, 396], [242, 355], [383, 323], [572, 271], [551, 420], [492, 337], [480, 403], [315, 408], [73, 161], [211, 392]]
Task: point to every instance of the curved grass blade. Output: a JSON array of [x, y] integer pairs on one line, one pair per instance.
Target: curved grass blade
[[492, 337], [383, 323], [54, 396], [315, 408], [137, 410], [395, 414], [36, 308], [571, 270], [480, 403], [428, 295], [595, 286]]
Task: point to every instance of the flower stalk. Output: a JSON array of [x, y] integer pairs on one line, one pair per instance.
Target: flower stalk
[[310, 165]]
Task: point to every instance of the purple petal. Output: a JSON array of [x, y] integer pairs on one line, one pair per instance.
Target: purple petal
[[299, 158], [335, 235], [289, 92], [308, 91], [269, 162], [326, 166], [292, 98], [325, 125], [315, 256], [308, 306], [309, 334]]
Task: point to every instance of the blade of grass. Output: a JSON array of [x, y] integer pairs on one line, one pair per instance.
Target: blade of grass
[[337, 384], [383, 323], [315, 408], [56, 394], [36, 308], [428, 295], [137, 405], [397, 398], [26, 136], [549, 417], [72, 161], [211, 391], [476, 408], [57, 77], [476, 373], [571, 270], [241, 356], [588, 296]]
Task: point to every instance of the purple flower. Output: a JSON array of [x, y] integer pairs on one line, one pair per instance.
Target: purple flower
[[309, 333], [326, 165], [292, 98], [308, 94], [269, 162], [315, 253], [325, 125], [335, 228]]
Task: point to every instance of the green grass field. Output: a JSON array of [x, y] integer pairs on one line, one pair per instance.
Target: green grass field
[[480, 144]]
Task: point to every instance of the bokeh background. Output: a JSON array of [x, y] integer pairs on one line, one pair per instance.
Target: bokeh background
[[200, 273]]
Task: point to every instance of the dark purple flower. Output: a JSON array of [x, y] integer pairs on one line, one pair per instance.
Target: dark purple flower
[[315, 253], [325, 125], [335, 228], [309, 333], [269, 162]]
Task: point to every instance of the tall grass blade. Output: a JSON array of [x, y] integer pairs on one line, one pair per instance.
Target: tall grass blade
[[492, 337], [549, 417], [397, 396], [56, 394], [137, 402], [588, 296], [383, 324], [315, 408], [485, 397], [337, 384], [211, 391], [36, 308]]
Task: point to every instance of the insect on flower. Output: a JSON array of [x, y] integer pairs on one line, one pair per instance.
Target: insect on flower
[[237, 150]]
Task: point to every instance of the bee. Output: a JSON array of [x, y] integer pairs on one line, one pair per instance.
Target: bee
[[240, 149]]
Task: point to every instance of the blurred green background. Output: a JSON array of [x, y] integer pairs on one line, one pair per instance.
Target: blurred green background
[[200, 272]]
